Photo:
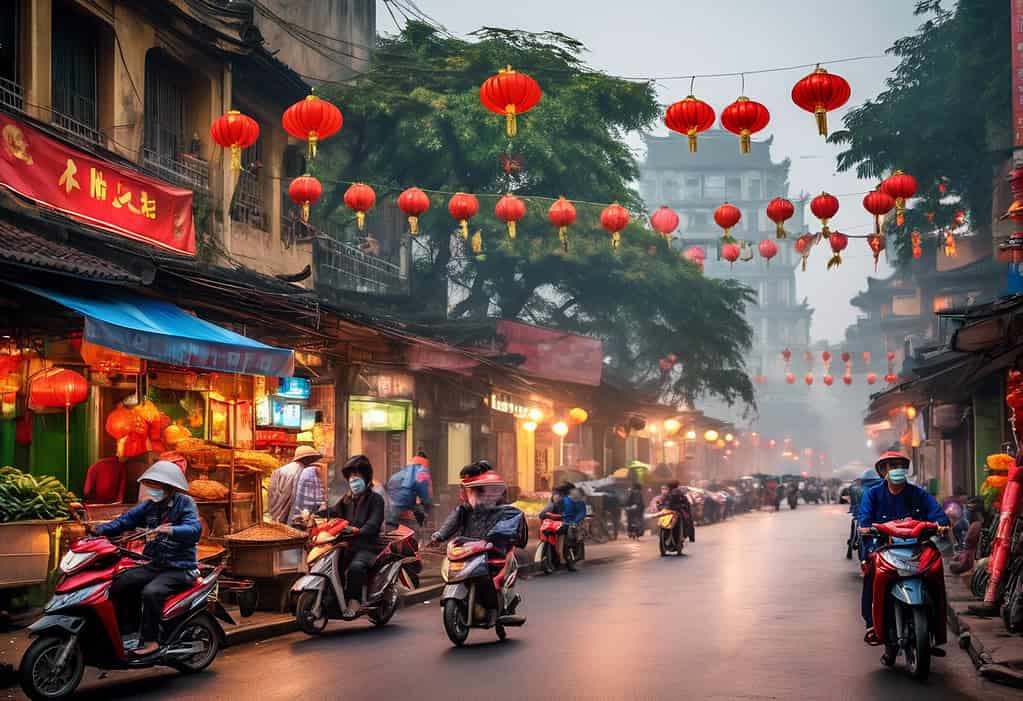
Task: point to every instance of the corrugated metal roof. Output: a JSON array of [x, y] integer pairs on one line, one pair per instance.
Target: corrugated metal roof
[[23, 247]]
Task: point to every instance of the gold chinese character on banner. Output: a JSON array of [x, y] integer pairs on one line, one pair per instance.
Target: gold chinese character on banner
[[123, 199], [148, 206], [67, 180], [97, 185]]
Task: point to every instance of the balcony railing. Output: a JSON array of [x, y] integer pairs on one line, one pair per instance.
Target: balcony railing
[[247, 204], [187, 171], [344, 267], [83, 109], [12, 95]]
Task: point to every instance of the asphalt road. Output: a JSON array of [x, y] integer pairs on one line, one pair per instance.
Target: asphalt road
[[761, 607]]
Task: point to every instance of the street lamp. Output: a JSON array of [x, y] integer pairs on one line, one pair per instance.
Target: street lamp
[[690, 435], [560, 429], [672, 426], [729, 438], [710, 436]]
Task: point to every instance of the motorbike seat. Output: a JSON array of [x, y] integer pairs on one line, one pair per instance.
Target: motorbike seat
[[176, 599]]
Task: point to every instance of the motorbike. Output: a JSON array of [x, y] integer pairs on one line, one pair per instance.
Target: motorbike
[[80, 626], [793, 499], [547, 555], [480, 589], [670, 541], [319, 595], [853, 542], [634, 516], [909, 593]]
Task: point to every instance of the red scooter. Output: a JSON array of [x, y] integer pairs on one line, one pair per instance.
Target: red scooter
[[909, 593], [547, 554], [80, 625]]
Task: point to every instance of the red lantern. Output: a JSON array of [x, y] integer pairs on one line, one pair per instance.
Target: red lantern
[[829, 380], [463, 207], [235, 131], [808, 379], [414, 203], [803, 245], [826, 357], [768, 249], [664, 221], [866, 357], [730, 252], [871, 378], [824, 206], [697, 255], [846, 357], [689, 116], [877, 244], [820, 93], [745, 117], [312, 120], [779, 210], [786, 355], [510, 209], [614, 218], [57, 388], [891, 378], [878, 203], [847, 379], [304, 191], [838, 243], [891, 356], [790, 378], [900, 186], [665, 364], [510, 93], [562, 215], [360, 198], [727, 216]]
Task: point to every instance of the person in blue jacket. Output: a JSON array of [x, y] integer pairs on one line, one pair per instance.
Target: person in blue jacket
[[171, 518], [893, 499], [410, 490], [573, 511]]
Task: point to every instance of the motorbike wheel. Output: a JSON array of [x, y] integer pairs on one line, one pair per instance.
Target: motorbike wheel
[[663, 544], [502, 632], [388, 607], [40, 680], [918, 657], [611, 526], [547, 563], [891, 653], [456, 621], [304, 616], [203, 630]]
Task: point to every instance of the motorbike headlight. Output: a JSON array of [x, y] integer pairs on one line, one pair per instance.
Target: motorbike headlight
[[73, 561]]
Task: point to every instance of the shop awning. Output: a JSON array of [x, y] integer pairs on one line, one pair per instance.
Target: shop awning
[[160, 331]]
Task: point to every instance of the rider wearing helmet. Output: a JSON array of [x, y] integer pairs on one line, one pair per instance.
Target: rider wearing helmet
[[170, 515], [364, 510], [484, 504], [894, 498]]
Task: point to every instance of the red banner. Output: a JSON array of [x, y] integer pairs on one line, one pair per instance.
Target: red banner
[[555, 355], [1017, 72], [94, 191]]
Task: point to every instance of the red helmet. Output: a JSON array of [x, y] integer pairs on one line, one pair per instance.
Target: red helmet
[[486, 479], [890, 456]]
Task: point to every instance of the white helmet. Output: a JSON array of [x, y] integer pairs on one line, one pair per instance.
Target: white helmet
[[167, 473]]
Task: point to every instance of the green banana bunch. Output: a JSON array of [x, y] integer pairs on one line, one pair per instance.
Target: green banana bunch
[[24, 497]]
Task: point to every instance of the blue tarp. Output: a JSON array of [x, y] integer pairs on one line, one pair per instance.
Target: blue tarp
[[160, 331]]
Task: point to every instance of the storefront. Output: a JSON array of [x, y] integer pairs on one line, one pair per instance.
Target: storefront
[[380, 419]]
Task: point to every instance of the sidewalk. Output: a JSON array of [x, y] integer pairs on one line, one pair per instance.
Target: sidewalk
[[997, 653]]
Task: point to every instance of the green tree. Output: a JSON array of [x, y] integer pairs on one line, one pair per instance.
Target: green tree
[[944, 116], [415, 119]]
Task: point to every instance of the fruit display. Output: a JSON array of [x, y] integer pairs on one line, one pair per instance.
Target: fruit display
[[24, 497]]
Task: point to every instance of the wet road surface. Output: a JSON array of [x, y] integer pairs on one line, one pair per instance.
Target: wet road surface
[[762, 607]]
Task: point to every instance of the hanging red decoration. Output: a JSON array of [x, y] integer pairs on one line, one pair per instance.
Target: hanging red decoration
[[838, 243], [878, 203], [819, 93], [901, 186], [360, 198], [745, 117], [891, 378], [786, 355], [829, 380], [803, 245], [768, 249], [122, 422], [891, 356], [780, 210], [304, 191], [664, 221], [697, 255], [510, 209], [727, 216], [877, 244], [918, 250], [312, 120], [871, 378], [614, 218], [826, 357], [690, 117], [57, 388], [562, 215], [950, 244], [930, 217], [510, 93], [866, 357], [959, 218], [790, 378], [463, 207], [824, 206], [846, 357], [847, 379], [730, 252], [235, 131], [808, 379], [413, 202], [665, 364]]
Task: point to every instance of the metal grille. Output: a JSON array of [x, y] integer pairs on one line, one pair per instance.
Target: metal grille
[[74, 78], [341, 266], [165, 108], [12, 96], [187, 171], [247, 205]]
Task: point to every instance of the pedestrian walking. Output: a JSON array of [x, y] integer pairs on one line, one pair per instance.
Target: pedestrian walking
[[284, 483]]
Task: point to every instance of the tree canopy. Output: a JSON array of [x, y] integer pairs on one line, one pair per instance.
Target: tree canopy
[[414, 118], [944, 116]]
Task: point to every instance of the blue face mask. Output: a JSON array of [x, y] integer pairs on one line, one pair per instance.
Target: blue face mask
[[357, 485], [897, 475], [155, 494]]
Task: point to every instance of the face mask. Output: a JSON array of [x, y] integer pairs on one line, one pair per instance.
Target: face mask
[[357, 485], [897, 475], [155, 494]]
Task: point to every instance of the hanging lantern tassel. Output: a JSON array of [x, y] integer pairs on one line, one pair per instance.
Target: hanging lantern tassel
[[413, 226], [477, 243], [510, 127], [463, 225], [950, 244], [616, 239], [511, 229], [900, 211], [360, 220], [305, 212], [563, 237], [311, 150], [236, 158]]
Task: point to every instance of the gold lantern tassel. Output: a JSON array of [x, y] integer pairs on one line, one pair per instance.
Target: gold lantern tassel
[[413, 226], [305, 211], [563, 237], [900, 211], [510, 126], [236, 158], [616, 239], [464, 228], [822, 120], [836, 260], [511, 230], [360, 219], [477, 242], [824, 229], [779, 231], [744, 141], [311, 150], [727, 237], [692, 139]]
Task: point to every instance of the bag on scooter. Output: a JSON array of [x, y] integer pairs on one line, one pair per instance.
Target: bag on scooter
[[510, 528]]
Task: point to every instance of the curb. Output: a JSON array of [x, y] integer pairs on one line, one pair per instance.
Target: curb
[[982, 660]]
